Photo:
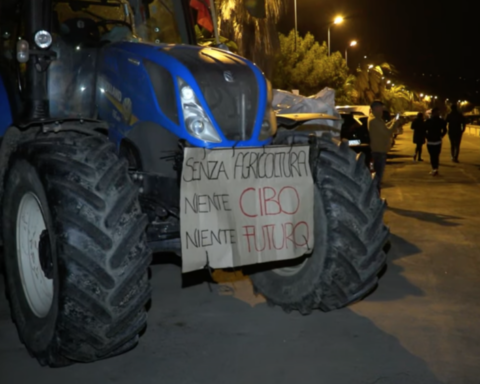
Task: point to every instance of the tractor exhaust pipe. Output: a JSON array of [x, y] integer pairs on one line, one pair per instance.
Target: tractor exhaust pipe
[[38, 19], [214, 21]]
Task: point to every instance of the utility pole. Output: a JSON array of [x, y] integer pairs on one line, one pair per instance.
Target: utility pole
[[296, 28]]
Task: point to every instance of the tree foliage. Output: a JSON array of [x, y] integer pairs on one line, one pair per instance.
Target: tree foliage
[[371, 84], [309, 69], [257, 39]]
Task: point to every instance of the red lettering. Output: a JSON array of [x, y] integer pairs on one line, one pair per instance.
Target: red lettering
[[283, 238], [276, 237], [288, 235], [249, 232], [270, 202], [241, 202], [280, 200], [305, 234]]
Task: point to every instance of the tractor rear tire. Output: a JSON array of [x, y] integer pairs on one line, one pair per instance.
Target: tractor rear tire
[[349, 238], [75, 255]]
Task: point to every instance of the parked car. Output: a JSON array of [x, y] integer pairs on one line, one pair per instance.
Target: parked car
[[355, 130]]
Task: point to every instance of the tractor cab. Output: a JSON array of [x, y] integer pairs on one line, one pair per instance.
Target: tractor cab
[[80, 29]]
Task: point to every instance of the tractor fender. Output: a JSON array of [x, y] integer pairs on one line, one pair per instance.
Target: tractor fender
[[14, 136], [6, 118], [9, 144], [152, 143]]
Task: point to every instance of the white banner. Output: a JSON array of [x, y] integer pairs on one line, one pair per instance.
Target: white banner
[[245, 206]]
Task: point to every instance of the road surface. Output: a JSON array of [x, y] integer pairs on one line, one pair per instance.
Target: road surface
[[419, 327]]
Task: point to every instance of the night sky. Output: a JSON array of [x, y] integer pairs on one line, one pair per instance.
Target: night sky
[[432, 46]]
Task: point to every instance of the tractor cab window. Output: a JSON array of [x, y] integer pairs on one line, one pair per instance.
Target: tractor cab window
[[156, 21], [91, 22]]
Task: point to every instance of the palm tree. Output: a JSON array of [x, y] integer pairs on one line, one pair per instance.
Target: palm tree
[[398, 99], [257, 39], [371, 83]]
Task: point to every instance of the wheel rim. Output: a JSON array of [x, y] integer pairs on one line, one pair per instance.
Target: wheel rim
[[292, 269], [34, 269]]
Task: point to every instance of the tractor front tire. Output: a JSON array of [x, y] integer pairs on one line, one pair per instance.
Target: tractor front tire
[[349, 238], [76, 260]]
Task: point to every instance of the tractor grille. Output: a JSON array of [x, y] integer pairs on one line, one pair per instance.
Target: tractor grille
[[229, 86]]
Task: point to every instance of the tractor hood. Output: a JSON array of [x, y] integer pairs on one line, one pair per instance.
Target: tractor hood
[[207, 96], [228, 84]]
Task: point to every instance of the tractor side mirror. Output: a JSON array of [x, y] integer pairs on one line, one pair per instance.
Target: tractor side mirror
[[256, 8]]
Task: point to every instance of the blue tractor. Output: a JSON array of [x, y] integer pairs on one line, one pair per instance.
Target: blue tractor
[[99, 99]]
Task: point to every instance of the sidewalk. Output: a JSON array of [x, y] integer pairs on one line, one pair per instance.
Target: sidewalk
[[434, 274]]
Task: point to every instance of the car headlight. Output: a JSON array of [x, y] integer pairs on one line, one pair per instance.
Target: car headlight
[[197, 122], [269, 123]]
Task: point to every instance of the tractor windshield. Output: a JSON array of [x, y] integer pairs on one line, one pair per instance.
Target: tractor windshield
[[118, 20], [152, 21]]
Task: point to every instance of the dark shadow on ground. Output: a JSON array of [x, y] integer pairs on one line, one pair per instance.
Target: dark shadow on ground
[[188, 279], [427, 216], [393, 285], [386, 185], [394, 156], [401, 248], [221, 338]]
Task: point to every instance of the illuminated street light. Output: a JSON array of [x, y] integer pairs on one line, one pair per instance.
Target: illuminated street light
[[370, 66], [338, 20], [421, 95], [388, 82], [352, 44]]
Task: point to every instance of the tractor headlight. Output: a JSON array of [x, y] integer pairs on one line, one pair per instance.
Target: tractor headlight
[[43, 39], [197, 122], [269, 124]]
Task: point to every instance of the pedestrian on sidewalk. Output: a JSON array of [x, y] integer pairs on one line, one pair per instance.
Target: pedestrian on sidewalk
[[380, 139], [456, 126], [435, 130], [418, 126]]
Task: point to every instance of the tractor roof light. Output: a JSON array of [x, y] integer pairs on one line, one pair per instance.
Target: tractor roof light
[[43, 39]]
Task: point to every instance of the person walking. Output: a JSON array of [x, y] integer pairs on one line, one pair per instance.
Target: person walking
[[456, 126], [418, 126], [435, 131], [380, 139]]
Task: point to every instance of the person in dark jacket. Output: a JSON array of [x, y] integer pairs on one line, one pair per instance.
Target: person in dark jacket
[[435, 130], [456, 126], [418, 126]]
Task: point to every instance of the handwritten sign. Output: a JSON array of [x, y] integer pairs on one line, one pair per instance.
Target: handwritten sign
[[245, 206]]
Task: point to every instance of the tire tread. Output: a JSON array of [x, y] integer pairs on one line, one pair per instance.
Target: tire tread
[[100, 234]]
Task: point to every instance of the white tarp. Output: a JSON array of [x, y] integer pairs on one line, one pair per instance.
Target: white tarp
[[323, 102], [245, 206]]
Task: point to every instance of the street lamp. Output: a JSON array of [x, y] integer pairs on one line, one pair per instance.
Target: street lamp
[[338, 20], [352, 44]]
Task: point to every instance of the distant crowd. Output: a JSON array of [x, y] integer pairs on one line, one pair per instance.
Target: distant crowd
[[429, 131]]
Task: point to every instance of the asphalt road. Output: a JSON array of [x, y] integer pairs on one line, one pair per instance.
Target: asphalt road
[[419, 327]]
